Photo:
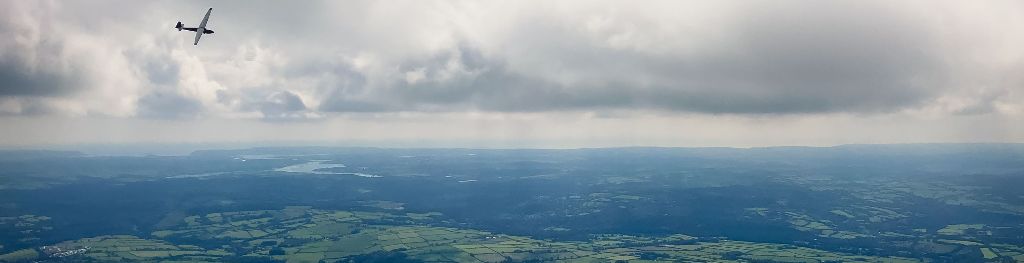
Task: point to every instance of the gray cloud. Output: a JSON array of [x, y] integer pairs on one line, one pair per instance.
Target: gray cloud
[[293, 61], [34, 64], [160, 71], [790, 57], [168, 106], [18, 80], [283, 106]]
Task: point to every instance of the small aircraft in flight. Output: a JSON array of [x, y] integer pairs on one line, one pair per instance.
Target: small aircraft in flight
[[199, 30]]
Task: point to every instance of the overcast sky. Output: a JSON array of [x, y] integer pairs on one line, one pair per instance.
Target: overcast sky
[[513, 73]]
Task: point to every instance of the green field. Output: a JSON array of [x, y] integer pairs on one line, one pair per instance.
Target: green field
[[302, 234]]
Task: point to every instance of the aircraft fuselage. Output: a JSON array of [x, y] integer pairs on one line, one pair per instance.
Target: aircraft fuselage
[[201, 30]]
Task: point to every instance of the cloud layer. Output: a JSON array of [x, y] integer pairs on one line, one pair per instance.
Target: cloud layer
[[281, 61]]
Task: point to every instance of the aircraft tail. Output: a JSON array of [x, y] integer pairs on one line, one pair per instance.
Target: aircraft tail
[[179, 26]]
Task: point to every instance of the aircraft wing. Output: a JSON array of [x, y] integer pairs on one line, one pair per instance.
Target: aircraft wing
[[205, 18], [202, 26]]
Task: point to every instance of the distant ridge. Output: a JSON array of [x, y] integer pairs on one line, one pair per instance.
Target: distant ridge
[[15, 155], [918, 149]]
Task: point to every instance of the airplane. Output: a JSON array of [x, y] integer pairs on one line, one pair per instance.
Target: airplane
[[199, 30]]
